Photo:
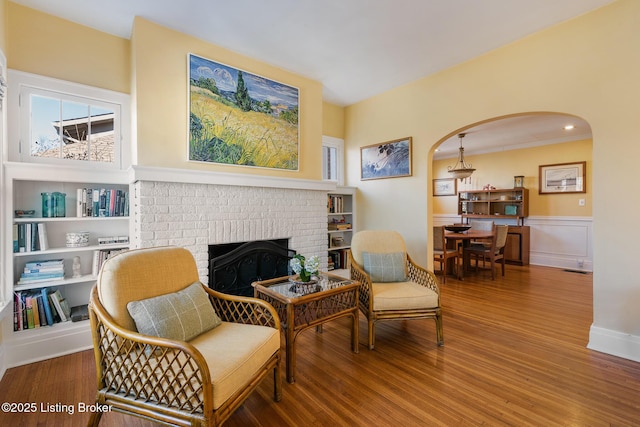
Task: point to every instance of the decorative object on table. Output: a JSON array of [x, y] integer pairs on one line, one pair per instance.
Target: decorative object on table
[[457, 228], [390, 159], [53, 205], [76, 266], [19, 213], [563, 178], [77, 239], [241, 118], [304, 267], [518, 181], [511, 210], [461, 169], [445, 187]]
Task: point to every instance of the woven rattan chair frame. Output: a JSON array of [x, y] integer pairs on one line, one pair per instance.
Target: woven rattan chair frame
[[166, 380], [416, 274]]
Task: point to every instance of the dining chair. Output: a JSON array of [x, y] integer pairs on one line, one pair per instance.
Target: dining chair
[[494, 252], [442, 254], [481, 225]]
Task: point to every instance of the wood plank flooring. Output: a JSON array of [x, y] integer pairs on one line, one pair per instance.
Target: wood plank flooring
[[514, 355]]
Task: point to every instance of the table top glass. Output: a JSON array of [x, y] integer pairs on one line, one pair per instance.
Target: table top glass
[[291, 289]]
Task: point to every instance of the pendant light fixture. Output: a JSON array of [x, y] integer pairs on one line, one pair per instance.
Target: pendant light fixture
[[461, 169]]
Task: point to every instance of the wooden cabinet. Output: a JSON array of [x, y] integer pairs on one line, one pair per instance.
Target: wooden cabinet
[[505, 203], [517, 249]]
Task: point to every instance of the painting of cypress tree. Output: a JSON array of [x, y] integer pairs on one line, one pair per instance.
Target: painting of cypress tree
[[239, 118]]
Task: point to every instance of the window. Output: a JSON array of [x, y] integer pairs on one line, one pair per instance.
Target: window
[[333, 159], [67, 123]]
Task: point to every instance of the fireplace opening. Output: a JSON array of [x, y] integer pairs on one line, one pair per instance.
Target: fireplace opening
[[234, 266]]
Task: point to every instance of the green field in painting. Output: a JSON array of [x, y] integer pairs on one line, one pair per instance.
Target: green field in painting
[[222, 133]]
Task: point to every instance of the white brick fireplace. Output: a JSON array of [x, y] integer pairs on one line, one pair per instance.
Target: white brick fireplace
[[195, 209]]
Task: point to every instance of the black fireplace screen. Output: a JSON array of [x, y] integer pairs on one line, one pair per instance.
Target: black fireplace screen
[[233, 267]]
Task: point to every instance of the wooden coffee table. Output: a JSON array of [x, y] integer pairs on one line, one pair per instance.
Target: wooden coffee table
[[302, 306]]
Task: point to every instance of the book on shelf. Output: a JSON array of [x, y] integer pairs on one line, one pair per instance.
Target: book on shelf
[[44, 293], [101, 202], [60, 305], [79, 313], [100, 256], [31, 237], [335, 204], [41, 271]]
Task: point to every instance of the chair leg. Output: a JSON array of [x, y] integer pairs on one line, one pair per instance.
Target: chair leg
[[94, 420], [277, 383], [372, 334], [439, 330]]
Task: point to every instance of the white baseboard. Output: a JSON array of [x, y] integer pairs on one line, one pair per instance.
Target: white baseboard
[[615, 343]]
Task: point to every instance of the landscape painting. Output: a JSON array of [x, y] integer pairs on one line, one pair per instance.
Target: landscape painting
[[390, 159], [562, 178], [239, 118]]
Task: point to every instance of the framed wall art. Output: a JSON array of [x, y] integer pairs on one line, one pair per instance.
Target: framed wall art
[[239, 118], [562, 178], [390, 159], [445, 187]]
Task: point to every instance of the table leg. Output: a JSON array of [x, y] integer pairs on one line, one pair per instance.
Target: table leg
[[289, 344]]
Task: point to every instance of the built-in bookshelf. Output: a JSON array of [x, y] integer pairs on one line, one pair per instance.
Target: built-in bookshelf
[[58, 254], [340, 228]]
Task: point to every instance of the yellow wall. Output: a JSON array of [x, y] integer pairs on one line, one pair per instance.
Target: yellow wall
[[42, 44], [498, 169], [332, 120], [3, 25], [160, 87], [588, 67]]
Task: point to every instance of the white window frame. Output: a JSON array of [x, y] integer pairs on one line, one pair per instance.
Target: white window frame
[[22, 85], [338, 144]]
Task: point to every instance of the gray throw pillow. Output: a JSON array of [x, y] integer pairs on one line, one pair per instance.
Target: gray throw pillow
[[385, 267], [181, 315]]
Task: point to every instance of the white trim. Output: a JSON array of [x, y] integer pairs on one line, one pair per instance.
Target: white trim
[[615, 343], [191, 176]]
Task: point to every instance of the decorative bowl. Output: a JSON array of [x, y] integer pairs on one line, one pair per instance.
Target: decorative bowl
[[77, 239], [457, 228]]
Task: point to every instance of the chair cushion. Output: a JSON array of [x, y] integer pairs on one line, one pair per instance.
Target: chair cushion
[[234, 353], [403, 296], [181, 315], [385, 267]]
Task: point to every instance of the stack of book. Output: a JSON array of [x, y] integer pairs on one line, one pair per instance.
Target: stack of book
[[30, 237], [42, 271], [39, 307], [102, 202]]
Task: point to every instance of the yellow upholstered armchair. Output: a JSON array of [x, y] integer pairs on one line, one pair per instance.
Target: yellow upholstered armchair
[[392, 286], [169, 349]]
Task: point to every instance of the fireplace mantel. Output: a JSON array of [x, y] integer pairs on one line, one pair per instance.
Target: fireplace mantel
[[193, 176]]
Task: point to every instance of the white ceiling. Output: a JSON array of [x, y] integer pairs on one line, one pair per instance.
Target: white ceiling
[[356, 48]]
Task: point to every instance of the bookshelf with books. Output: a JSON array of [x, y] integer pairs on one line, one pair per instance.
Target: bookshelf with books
[[54, 254], [340, 228]]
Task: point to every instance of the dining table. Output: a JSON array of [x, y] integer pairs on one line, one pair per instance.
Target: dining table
[[465, 237]]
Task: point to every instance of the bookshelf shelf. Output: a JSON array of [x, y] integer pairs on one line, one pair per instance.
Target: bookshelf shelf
[[62, 250]]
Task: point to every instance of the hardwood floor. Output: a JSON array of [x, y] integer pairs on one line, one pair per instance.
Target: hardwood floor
[[515, 354]]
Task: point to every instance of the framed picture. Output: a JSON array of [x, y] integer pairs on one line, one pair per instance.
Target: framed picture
[[445, 187], [562, 178], [239, 118], [390, 159]]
